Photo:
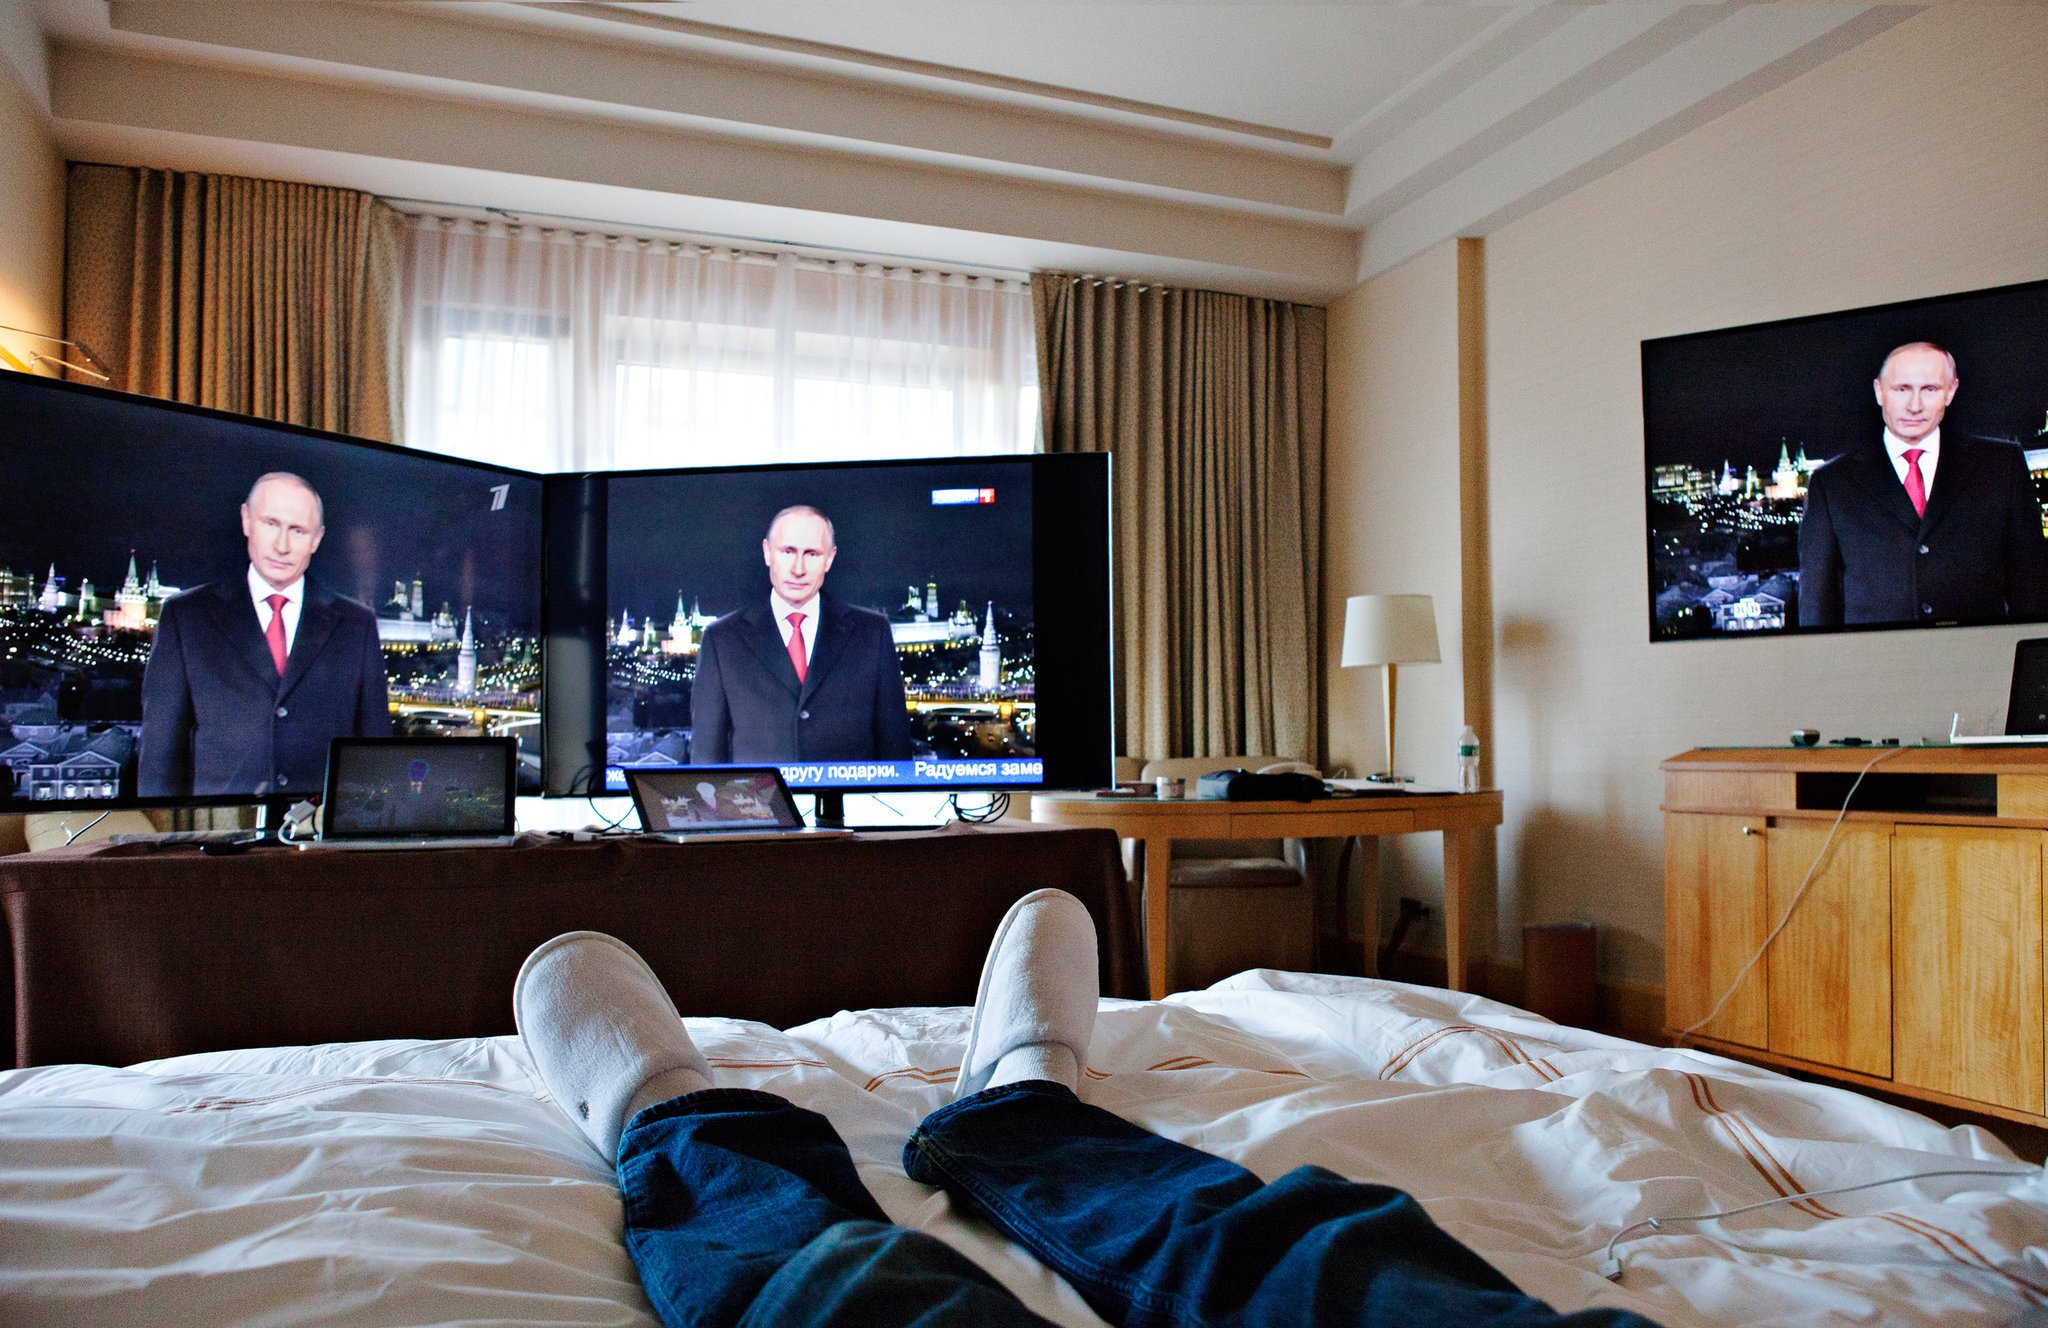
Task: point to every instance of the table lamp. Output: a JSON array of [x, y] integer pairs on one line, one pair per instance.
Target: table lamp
[[1391, 630]]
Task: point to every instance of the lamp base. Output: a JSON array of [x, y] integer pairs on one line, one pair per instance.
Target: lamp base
[[1386, 777]]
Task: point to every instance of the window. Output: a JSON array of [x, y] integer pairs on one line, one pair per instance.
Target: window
[[551, 350]]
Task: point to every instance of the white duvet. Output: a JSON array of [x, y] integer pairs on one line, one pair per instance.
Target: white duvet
[[433, 1182]]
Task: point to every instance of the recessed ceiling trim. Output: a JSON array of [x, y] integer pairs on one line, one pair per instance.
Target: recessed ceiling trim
[[844, 55], [1657, 102], [95, 85], [1478, 59], [1572, 64], [478, 51]]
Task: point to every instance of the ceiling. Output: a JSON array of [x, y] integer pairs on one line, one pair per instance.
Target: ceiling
[[1290, 149]]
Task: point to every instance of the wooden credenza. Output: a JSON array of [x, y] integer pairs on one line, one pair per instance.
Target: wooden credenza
[[1914, 963]]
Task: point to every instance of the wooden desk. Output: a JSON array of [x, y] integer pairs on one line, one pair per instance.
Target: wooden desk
[[1156, 824]]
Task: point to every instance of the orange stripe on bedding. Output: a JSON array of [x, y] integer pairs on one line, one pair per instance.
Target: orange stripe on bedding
[[230, 1103], [922, 1075], [946, 1076], [1955, 1247], [1814, 1206], [1197, 1062], [1181, 1063], [1753, 1148], [1781, 1179], [1516, 1050], [781, 1064], [1512, 1049]]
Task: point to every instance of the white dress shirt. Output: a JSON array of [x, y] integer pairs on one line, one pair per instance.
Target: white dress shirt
[[782, 608], [294, 599], [1930, 452]]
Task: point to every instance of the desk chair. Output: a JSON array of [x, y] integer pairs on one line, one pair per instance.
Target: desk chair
[[1236, 903]]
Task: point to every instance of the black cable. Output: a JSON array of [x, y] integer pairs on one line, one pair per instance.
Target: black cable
[[997, 807]]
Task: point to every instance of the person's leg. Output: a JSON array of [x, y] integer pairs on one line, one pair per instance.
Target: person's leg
[[740, 1208], [1151, 1231]]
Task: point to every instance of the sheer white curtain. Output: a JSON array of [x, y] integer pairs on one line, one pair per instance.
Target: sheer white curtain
[[557, 350]]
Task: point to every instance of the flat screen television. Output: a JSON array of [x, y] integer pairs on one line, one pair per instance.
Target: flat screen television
[[131, 635], [958, 636], [1776, 507]]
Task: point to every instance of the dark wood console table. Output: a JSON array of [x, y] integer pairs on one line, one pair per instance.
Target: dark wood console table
[[131, 953]]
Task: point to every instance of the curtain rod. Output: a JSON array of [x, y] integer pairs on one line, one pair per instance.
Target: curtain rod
[[614, 229]]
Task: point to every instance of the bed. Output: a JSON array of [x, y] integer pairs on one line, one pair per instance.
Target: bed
[[431, 1181]]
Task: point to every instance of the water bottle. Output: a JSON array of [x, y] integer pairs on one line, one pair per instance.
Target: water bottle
[[1468, 761]]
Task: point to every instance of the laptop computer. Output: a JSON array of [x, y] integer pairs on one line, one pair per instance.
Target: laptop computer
[[2026, 709], [400, 793], [686, 804]]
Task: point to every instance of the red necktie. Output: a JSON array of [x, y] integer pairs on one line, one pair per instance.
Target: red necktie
[[1916, 488], [275, 632], [796, 644]]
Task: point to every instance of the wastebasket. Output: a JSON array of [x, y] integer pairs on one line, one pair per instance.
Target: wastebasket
[[1559, 963]]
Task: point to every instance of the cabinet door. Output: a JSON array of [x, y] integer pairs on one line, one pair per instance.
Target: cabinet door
[[1715, 909], [1966, 937], [1831, 968]]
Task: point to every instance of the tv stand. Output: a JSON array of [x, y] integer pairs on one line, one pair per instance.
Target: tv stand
[[1914, 962]]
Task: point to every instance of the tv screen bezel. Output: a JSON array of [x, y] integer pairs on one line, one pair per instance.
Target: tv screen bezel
[[1075, 739], [12, 806], [1900, 308]]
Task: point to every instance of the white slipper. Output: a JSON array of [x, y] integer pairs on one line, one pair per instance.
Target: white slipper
[[602, 1033], [1039, 989]]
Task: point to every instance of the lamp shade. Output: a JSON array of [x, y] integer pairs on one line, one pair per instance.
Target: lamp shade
[[1389, 629]]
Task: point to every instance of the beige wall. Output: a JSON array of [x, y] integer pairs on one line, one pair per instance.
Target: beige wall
[[1909, 166], [1391, 504], [31, 190]]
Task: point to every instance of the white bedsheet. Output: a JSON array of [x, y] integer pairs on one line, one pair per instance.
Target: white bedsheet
[[432, 1182]]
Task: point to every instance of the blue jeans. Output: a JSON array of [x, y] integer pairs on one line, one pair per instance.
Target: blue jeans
[[744, 1209]]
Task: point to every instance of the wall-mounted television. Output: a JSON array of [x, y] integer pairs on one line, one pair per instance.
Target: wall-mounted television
[[136, 660], [1871, 469], [953, 624]]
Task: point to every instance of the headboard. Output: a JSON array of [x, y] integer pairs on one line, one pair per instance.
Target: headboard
[[128, 953]]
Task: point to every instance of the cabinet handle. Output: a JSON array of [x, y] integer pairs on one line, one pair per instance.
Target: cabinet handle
[[1749, 830]]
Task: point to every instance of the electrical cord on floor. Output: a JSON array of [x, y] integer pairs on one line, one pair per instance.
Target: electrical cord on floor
[[1610, 1262], [1812, 873]]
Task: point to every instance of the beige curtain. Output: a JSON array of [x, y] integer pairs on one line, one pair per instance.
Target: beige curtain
[[258, 296], [1212, 405]]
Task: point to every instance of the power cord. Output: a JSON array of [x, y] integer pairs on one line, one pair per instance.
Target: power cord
[[71, 836], [997, 807], [1792, 907], [1610, 1261]]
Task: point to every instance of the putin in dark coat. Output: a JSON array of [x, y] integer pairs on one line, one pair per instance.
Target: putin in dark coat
[[249, 679], [1915, 528], [800, 677]]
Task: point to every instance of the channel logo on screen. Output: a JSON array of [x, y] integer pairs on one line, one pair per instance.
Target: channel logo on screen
[[960, 497]]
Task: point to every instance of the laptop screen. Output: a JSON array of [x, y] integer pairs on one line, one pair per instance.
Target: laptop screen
[[698, 797], [384, 787]]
